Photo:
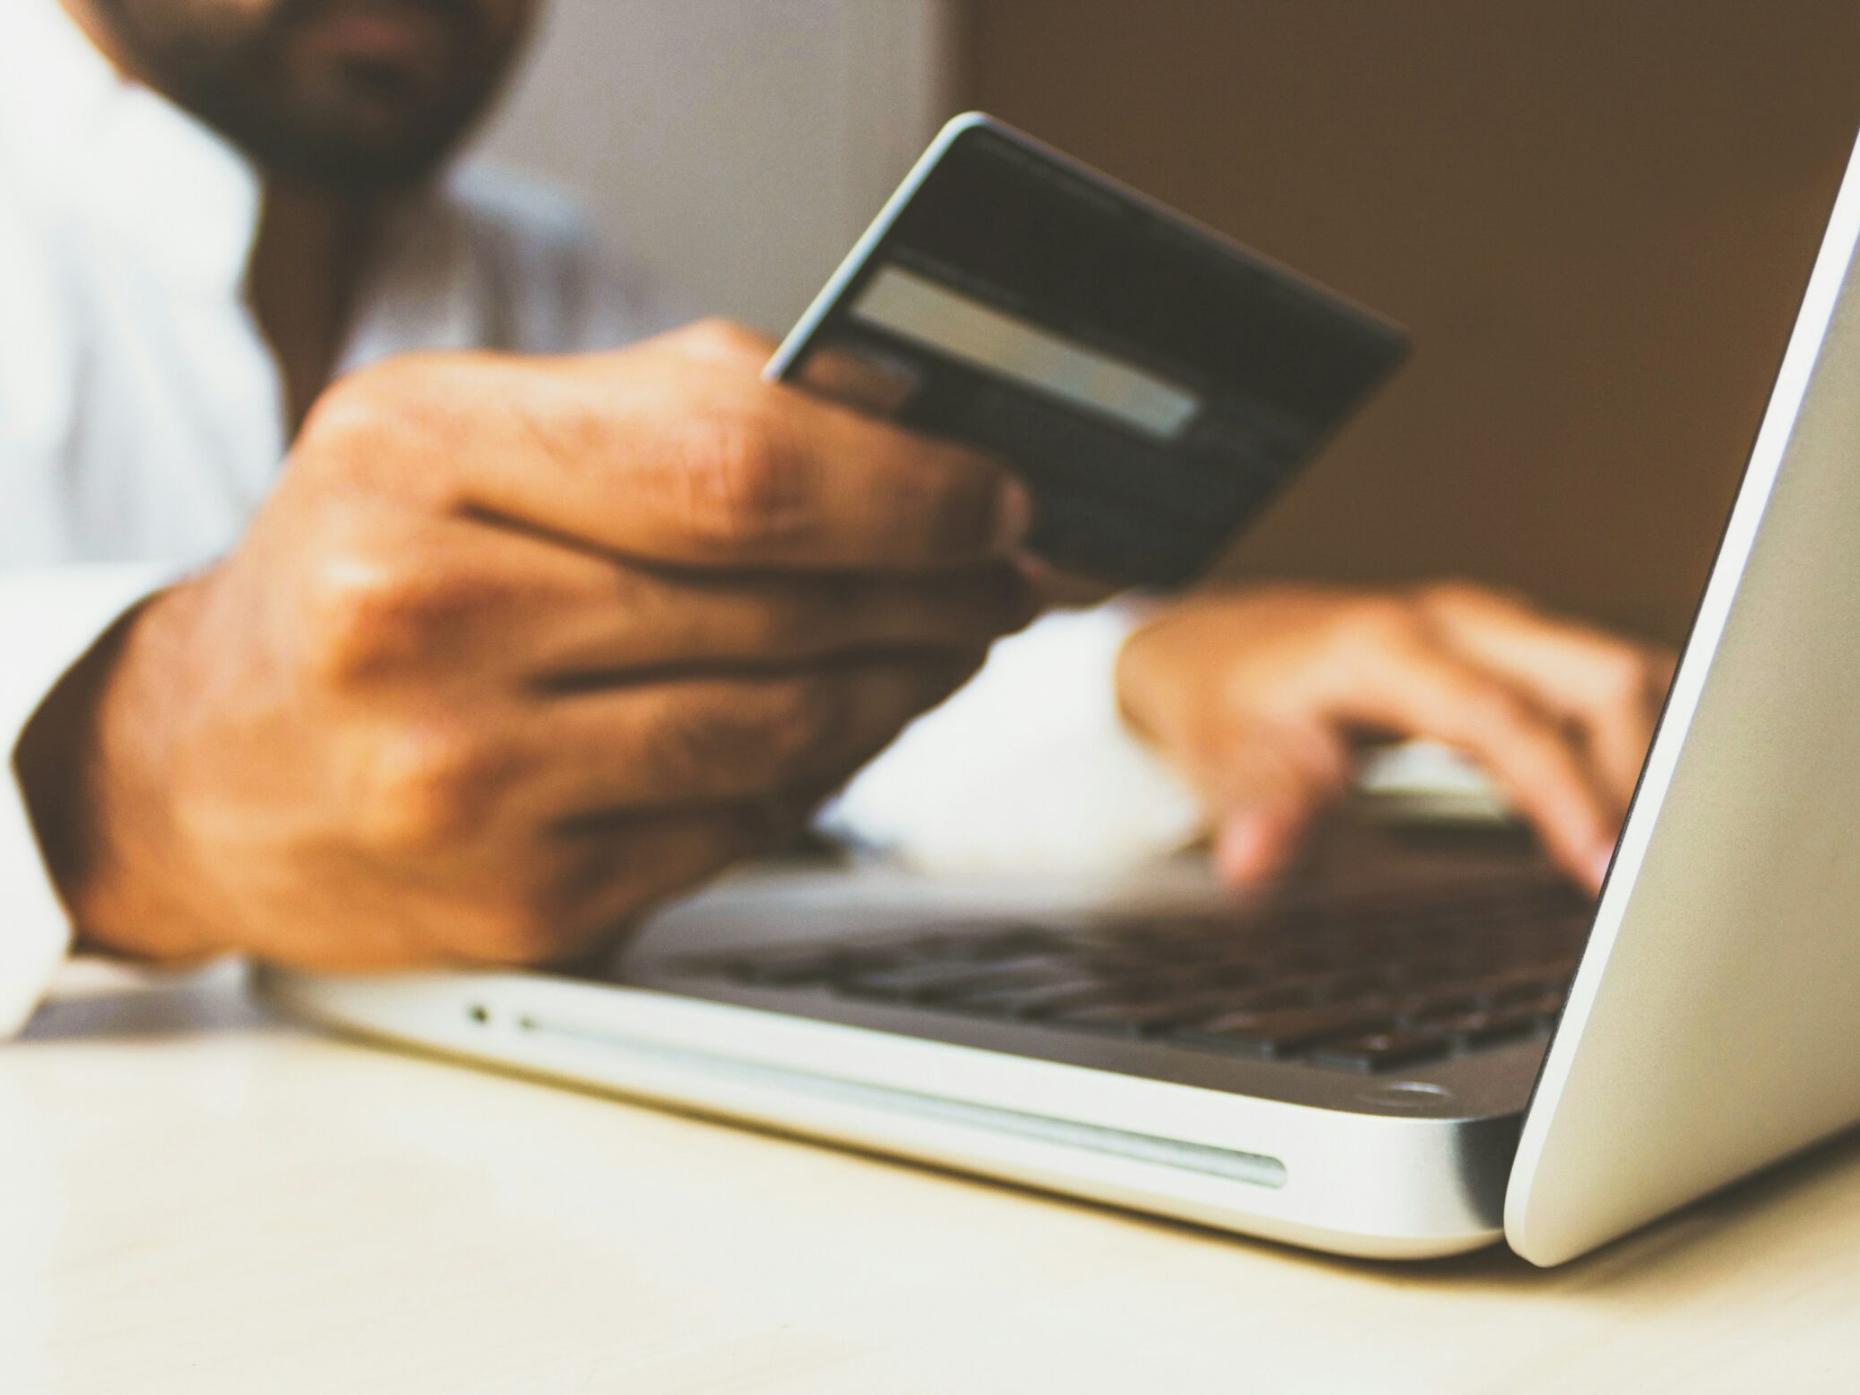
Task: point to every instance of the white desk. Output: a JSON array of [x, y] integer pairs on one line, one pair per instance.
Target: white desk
[[194, 1197]]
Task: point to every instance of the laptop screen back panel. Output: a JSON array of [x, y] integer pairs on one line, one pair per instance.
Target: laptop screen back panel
[[1714, 1024]]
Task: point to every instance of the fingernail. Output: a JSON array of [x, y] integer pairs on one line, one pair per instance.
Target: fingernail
[[1239, 850], [1013, 516], [1599, 868]]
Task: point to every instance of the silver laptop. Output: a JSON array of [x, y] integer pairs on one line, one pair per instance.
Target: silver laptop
[[1414, 1051]]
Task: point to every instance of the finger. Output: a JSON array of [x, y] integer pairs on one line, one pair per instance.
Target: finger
[[1611, 687], [674, 459], [1417, 690], [589, 885], [1254, 847], [695, 622], [720, 341], [637, 864], [705, 740], [1265, 787], [481, 600], [782, 479]]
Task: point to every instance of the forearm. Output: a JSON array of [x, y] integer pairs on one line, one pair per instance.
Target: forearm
[[50, 621]]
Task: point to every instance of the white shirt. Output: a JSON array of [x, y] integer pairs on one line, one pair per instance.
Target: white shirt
[[142, 421]]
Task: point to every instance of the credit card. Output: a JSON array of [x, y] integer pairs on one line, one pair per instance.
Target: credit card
[[1155, 383]]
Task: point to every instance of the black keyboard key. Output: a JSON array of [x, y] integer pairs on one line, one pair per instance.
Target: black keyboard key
[[1140, 1018], [1019, 943], [1025, 997], [1381, 1051], [1282, 995], [913, 982]]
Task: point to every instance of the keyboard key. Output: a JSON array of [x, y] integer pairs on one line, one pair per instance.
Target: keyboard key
[[1036, 998], [913, 982], [1283, 995], [1133, 1018], [1018, 943]]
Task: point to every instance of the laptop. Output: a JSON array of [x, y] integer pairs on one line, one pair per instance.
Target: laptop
[[1415, 1051]]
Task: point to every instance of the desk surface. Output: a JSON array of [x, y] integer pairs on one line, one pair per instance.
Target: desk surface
[[196, 1197]]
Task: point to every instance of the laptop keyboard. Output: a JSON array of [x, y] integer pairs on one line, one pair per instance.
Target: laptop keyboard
[[1365, 985]]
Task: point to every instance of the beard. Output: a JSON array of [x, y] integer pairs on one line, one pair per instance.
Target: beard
[[354, 96]]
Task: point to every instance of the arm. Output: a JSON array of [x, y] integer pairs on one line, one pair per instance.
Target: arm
[[1100, 738], [50, 619]]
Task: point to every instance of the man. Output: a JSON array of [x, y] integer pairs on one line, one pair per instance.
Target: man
[[334, 652]]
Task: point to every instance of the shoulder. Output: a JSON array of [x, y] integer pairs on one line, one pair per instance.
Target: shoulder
[[568, 289]]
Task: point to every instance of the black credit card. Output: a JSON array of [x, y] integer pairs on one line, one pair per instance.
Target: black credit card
[[1155, 383]]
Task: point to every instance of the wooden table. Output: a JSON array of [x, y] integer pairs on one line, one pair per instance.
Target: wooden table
[[196, 1197]]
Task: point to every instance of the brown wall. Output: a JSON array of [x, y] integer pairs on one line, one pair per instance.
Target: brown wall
[[1594, 215]]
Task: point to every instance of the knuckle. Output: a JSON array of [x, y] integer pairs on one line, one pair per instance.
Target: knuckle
[[355, 406], [1457, 602], [717, 337], [1453, 595], [368, 611], [744, 480], [343, 639], [424, 789], [367, 414], [1381, 622]]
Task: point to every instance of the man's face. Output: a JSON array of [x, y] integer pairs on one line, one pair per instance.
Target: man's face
[[361, 95]]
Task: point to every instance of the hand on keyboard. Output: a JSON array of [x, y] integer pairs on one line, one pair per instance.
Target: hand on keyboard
[[1258, 695]]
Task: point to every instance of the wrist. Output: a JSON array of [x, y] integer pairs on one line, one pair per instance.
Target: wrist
[[1134, 680], [90, 767]]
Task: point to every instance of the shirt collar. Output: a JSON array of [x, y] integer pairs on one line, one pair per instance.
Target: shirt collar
[[430, 286]]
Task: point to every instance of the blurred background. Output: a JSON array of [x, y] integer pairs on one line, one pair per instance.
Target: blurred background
[[1595, 217]]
